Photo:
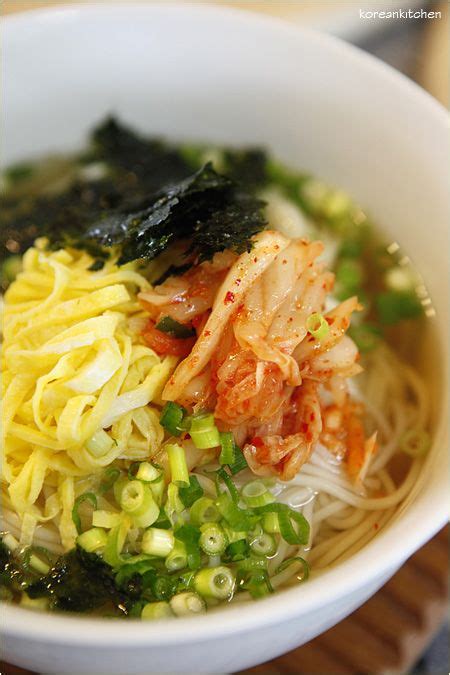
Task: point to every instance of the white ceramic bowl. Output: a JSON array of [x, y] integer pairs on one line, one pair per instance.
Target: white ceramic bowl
[[206, 73]]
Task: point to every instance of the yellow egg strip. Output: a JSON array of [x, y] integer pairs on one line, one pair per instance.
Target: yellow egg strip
[[73, 364]]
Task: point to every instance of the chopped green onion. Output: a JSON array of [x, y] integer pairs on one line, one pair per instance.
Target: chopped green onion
[[213, 540], [316, 325], [186, 581], [193, 155], [365, 336], [239, 463], [106, 519], [18, 172], [118, 486], [10, 541], [415, 442], [178, 467], [204, 511], [295, 559], [171, 418], [190, 535], [350, 248], [30, 559], [253, 564], [99, 444], [174, 328], [174, 505], [237, 550], [336, 204], [109, 478], [349, 274], [236, 518], [314, 194], [290, 182], [116, 541], [187, 603], [257, 583], [85, 497], [162, 586], [163, 521], [288, 531], [215, 582], [191, 493], [11, 267], [233, 535], [148, 473], [157, 542], [132, 470], [270, 523], [177, 558], [264, 544], [157, 487], [132, 496], [255, 493], [227, 445], [204, 432], [234, 494], [39, 565], [156, 610], [285, 515], [137, 500], [393, 306], [34, 603], [131, 569], [92, 540], [134, 611]]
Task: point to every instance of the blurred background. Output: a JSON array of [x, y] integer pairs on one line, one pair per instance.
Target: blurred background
[[403, 629], [415, 45]]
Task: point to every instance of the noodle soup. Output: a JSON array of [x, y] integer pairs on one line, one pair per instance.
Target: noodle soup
[[204, 387]]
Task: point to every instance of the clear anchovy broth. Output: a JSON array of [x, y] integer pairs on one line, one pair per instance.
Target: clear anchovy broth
[[202, 397]]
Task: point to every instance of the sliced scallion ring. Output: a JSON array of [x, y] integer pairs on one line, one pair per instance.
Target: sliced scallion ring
[[213, 540], [317, 325], [186, 603], [294, 559], [264, 544], [415, 442], [256, 493], [215, 582]]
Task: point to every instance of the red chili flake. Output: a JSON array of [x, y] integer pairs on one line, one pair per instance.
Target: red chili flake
[[329, 320], [376, 526], [207, 333], [229, 297], [257, 441], [255, 260], [237, 282]]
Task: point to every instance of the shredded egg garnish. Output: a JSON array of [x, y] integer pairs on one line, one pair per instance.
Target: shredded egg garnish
[[77, 383]]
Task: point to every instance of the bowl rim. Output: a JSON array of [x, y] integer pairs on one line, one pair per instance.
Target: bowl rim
[[293, 602]]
